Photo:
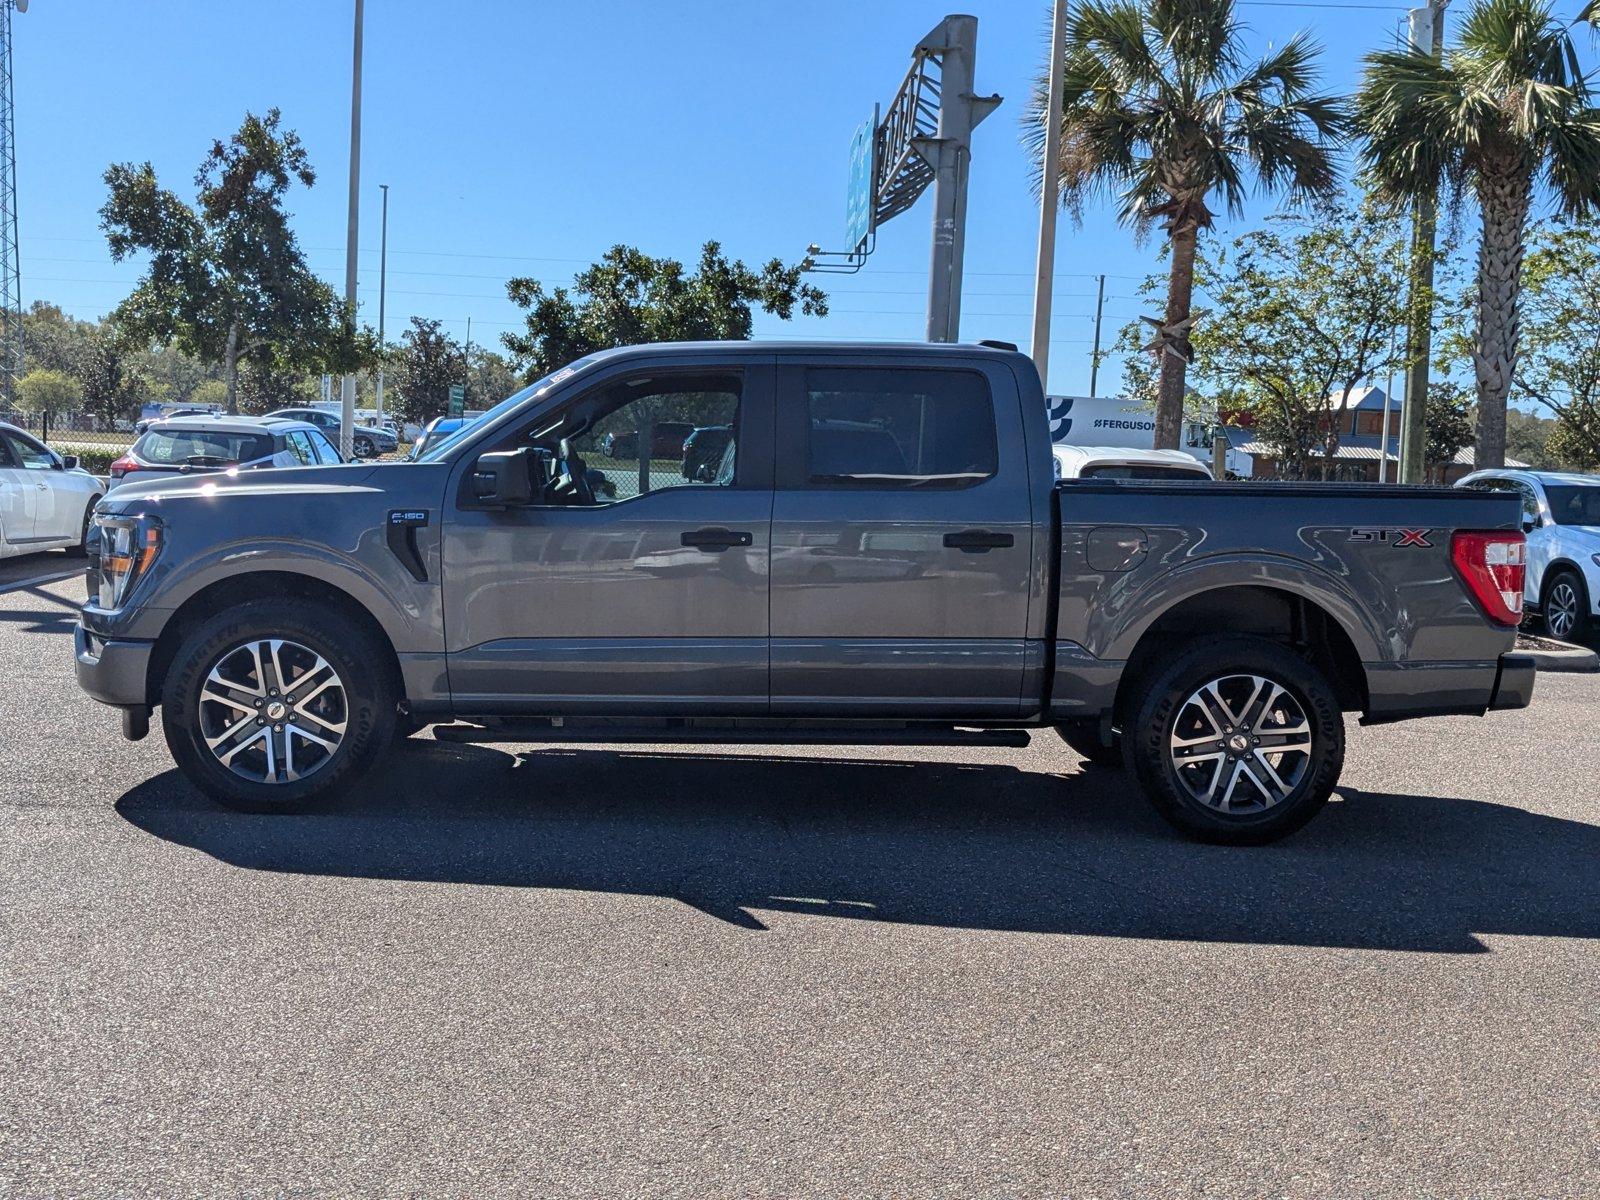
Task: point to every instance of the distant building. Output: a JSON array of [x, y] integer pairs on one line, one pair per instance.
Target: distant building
[[1363, 449]]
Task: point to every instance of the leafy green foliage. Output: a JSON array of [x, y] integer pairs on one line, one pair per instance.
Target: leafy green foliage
[[629, 297], [1559, 367], [428, 361], [1306, 312], [225, 281], [1447, 425], [48, 391]]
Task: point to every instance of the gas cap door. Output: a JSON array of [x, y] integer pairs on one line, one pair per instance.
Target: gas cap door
[[1114, 548]]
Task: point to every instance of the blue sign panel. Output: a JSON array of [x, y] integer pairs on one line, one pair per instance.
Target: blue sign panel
[[859, 204]]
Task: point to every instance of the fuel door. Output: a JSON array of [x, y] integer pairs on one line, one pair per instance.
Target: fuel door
[[1115, 548]]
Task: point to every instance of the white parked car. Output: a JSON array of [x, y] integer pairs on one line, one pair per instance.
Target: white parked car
[[45, 500], [1561, 516], [1124, 462]]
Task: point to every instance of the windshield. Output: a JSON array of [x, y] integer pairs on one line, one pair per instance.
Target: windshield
[[1574, 504], [444, 445]]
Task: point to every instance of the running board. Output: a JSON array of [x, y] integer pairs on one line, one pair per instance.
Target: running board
[[826, 735]]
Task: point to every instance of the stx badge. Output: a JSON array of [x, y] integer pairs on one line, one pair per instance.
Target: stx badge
[[1394, 537]]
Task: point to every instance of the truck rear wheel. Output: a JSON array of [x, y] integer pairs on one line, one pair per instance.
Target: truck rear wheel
[[273, 705], [1237, 741]]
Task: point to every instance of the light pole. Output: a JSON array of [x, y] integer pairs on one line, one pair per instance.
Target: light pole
[[347, 385], [1426, 34], [1049, 200], [383, 286]]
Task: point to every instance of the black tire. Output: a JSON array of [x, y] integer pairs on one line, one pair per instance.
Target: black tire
[[1084, 739], [364, 448], [369, 707], [1581, 627], [1170, 696], [81, 550]]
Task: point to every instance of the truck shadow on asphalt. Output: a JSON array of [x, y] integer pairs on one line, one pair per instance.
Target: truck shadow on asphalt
[[969, 846]]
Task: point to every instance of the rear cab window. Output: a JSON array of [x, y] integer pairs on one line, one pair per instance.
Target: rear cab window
[[891, 427]]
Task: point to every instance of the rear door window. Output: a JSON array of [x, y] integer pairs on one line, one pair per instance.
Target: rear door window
[[300, 447], [892, 428], [325, 452]]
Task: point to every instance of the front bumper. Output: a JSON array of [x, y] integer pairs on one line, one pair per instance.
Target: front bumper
[[113, 671], [1513, 686]]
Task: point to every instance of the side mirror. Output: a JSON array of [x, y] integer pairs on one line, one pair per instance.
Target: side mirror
[[69, 462], [1529, 524], [505, 478]]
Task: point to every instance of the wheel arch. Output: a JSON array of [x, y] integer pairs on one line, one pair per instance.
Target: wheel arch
[[258, 585], [1267, 611]]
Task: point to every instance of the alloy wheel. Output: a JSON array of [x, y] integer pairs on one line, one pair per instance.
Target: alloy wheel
[[273, 711], [1240, 744], [1561, 611]]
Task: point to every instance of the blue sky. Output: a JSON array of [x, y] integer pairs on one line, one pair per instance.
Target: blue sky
[[523, 137]]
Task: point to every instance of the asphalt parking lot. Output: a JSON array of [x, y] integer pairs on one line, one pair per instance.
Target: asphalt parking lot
[[676, 971]]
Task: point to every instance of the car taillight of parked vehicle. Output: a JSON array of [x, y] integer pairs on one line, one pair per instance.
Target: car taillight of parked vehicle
[[1493, 566], [122, 466]]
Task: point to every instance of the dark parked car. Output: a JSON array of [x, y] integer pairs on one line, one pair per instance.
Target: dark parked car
[[886, 559], [367, 441], [666, 441], [702, 452]]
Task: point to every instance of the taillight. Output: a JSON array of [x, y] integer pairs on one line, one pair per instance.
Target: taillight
[[1492, 565], [122, 466]]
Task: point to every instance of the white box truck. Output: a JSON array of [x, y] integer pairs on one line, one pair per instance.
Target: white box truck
[[1118, 421]]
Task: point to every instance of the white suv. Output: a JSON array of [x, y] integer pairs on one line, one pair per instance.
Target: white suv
[[1561, 516]]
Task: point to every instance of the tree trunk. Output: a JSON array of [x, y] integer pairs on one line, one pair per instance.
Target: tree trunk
[[1174, 337], [1504, 196], [230, 369]]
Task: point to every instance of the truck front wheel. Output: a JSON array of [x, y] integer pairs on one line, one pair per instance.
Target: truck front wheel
[[273, 705], [1237, 741]]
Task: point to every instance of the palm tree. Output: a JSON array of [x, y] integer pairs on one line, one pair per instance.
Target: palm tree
[[1503, 112], [1162, 109]]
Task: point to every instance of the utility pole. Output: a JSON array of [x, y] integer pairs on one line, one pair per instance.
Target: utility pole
[[466, 364], [1094, 359], [383, 287], [1049, 198], [347, 385], [949, 153], [10, 252], [1425, 31]]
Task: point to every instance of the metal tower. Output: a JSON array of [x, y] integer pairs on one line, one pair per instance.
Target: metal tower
[[10, 262]]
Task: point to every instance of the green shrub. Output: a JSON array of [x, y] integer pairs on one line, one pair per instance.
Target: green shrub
[[93, 458]]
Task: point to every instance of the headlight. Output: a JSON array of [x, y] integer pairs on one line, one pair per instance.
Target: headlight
[[127, 547]]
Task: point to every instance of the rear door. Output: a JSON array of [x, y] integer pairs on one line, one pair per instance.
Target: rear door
[[902, 556], [646, 591]]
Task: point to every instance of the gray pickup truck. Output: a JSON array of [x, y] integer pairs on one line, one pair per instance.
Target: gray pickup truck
[[870, 549]]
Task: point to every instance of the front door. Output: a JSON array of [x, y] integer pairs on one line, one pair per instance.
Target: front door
[[18, 498], [902, 554], [639, 585]]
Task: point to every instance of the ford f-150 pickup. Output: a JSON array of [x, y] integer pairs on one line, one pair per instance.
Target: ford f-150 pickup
[[880, 554]]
